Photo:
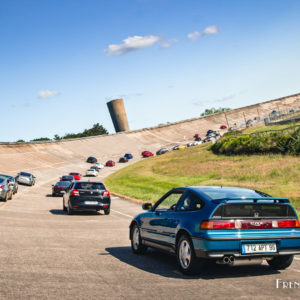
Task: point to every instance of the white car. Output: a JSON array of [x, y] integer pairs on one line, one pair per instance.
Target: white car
[[98, 165], [91, 172]]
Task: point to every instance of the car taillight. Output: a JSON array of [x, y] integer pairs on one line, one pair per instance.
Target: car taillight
[[75, 193], [1, 187], [105, 193], [249, 224]]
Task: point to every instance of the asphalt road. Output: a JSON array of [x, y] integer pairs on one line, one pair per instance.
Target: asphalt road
[[46, 254]]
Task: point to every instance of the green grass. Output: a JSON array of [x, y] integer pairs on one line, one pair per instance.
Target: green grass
[[263, 128], [150, 178]]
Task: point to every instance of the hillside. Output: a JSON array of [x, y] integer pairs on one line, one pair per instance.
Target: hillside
[[149, 179]]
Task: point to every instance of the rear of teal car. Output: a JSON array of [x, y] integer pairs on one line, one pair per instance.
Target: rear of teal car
[[228, 225], [247, 230]]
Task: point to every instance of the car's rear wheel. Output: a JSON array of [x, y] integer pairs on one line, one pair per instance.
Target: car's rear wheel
[[6, 197], [69, 209], [136, 241], [107, 211], [281, 262], [186, 259]]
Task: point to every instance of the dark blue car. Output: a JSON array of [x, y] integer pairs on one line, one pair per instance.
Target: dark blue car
[[228, 225], [128, 156]]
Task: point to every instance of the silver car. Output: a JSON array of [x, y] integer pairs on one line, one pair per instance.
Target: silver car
[[11, 181], [6, 189], [25, 178]]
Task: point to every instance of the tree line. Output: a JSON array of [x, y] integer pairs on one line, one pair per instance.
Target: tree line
[[97, 129]]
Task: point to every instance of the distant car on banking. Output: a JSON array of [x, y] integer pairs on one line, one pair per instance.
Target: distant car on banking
[[91, 172], [60, 187], [128, 155], [67, 178], [91, 159], [76, 175], [110, 163], [25, 178], [123, 159], [162, 151]]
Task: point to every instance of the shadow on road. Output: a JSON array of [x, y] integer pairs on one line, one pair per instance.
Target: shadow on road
[[79, 213], [165, 265]]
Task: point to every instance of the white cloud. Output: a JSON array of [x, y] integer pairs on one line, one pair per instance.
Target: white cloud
[[47, 94], [210, 30], [132, 43], [167, 43], [193, 36]]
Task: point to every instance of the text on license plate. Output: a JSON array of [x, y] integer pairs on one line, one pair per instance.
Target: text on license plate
[[91, 202], [259, 248]]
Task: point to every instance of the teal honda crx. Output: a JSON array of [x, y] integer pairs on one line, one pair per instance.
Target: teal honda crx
[[228, 225]]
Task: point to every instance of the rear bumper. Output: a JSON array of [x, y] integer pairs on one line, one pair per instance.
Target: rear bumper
[[215, 249], [82, 206]]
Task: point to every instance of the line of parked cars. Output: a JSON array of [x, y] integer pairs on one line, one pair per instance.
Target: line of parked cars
[[110, 163]]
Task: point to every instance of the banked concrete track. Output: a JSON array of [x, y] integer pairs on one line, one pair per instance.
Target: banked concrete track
[[45, 158], [47, 254]]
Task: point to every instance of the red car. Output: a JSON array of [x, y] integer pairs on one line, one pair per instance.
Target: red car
[[196, 135], [110, 163], [147, 154], [76, 175], [223, 127]]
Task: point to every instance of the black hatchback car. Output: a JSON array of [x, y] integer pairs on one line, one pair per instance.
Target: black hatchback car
[[86, 196], [91, 159]]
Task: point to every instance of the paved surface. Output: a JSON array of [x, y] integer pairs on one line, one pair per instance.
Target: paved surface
[[46, 254]]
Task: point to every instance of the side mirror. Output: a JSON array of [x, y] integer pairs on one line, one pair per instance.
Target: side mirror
[[147, 206]]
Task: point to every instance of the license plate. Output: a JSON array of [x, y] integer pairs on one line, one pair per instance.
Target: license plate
[[91, 202], [259, 248]]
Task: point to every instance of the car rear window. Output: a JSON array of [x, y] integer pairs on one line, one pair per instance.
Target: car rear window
[[63, 183], [67, 178], [89, 186], [225, 192], [1, 180], [253, 211], [25, 174]]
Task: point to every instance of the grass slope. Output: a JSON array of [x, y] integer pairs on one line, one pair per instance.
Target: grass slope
[[150, 178]]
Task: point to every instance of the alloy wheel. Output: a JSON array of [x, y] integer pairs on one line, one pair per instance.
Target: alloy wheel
[[185, 254]]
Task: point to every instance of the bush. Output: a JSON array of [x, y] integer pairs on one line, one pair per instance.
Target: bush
[[283, 142]]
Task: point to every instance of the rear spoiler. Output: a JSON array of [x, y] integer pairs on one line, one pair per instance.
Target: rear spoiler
[[251, 200]]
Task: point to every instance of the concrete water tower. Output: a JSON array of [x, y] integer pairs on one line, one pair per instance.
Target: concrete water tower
[[118, 114]]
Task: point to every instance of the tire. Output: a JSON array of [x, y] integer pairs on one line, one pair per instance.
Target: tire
[[53, 194], [281, 262], [6, 197], [11, 195], [64, 208], [107, 211], [136, 241], [185, 254], [69, 209]]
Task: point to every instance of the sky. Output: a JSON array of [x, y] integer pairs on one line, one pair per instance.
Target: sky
[[62, 60]]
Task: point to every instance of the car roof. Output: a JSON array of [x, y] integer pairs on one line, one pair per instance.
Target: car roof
[[200, 190], [88, 181]]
